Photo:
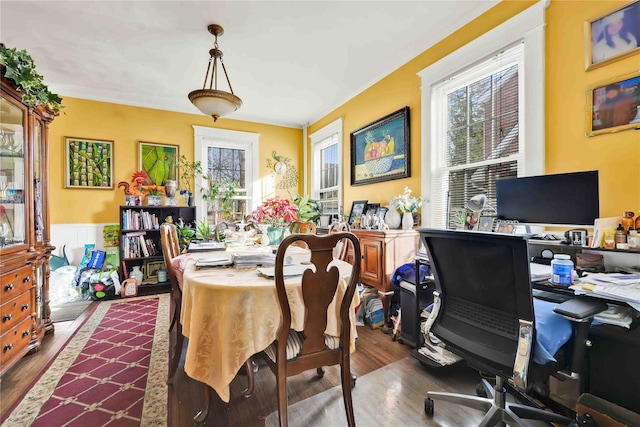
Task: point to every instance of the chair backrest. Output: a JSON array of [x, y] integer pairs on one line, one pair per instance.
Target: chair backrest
[[221, 227], [170, 249], [307, 227], [318, 289], [485, 292], [342, 249]]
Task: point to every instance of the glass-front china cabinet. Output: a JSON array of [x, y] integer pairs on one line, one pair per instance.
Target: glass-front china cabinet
[[24, 226]]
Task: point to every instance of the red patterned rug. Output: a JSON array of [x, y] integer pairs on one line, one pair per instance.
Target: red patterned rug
[[113, 372]]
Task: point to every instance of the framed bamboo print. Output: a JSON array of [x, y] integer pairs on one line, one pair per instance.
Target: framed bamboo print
[[88, 163], [613, 105], [159, 161], [380, 150], [612, 36]]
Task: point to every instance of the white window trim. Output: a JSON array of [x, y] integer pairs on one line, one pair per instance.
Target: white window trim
[[317, 137], [529, 26], [231, 139]]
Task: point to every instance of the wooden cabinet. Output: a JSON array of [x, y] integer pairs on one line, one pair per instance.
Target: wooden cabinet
[[140, 241], [25, 248], [382, 252]]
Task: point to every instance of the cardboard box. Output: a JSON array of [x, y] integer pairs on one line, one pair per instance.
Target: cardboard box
[[605, 413]]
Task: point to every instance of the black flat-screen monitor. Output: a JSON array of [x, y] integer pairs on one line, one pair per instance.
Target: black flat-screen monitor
[[562, 199]]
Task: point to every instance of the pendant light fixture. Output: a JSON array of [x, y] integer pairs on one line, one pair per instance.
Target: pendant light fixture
[[210, 100]]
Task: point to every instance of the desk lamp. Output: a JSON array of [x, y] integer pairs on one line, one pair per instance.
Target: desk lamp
[[478, 203]]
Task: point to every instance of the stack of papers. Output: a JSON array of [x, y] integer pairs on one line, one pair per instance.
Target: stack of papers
[[206, 246], [252, 260], [619, 287], [617, 315], [539, 272], [289, 270], [213, 262]]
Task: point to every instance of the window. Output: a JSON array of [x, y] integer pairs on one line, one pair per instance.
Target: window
[[477, 131], [227, 155], [326, 167], [485, 120]]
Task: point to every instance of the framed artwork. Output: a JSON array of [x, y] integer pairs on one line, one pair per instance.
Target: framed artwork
[[380, 150], [612, 36], [613, 106], [159, 161], [486, 223], [88, 163], [372, 208], [508, 227], [357, 210], [151, 269]]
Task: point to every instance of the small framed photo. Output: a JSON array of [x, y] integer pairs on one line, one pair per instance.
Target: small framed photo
[[612, 36], [507, 227], [159, 161], [372, 208], [88, 163], [382, 212], [486, 223], [357, 210], [613, 105], [133, 200], [150, 269]]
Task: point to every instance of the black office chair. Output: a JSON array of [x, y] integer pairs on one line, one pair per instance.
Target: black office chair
[[486, 316]]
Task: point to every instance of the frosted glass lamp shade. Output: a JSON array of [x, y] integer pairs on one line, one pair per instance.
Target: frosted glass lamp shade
[[215, 103]]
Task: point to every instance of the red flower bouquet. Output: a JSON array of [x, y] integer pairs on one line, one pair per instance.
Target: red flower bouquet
[[275, 211]]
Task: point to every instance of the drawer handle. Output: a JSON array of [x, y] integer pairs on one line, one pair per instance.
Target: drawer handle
[[8, 347], [26, 279], [7, 317], [25, 307], [26, 334], [9, 287]]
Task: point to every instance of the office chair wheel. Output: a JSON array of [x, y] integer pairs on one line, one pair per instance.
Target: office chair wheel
[[428, 407], [480, 391], [394, 336]]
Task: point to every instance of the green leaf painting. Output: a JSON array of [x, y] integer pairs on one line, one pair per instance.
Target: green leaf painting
[[159, 161]]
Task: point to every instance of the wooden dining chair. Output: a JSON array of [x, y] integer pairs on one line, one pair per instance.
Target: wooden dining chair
[[171, 250], [342, 249], [296, 351], [223, 226], [307, 227]]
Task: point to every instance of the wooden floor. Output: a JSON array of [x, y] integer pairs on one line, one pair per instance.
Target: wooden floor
[[375, 350]]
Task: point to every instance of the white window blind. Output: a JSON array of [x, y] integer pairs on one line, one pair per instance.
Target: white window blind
[[476, 115], [326, 167]]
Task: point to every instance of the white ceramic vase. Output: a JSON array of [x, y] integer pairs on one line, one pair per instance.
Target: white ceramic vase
[[137, 274], [407, 221], [392, 218]]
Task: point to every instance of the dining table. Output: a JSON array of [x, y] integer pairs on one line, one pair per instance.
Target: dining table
[[230, 314]]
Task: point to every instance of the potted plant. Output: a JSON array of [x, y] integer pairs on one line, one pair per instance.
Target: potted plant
[[273, 217], [204, 231], [20, 67], [219, 195], [188, 172], [308, 209], [185, 234]]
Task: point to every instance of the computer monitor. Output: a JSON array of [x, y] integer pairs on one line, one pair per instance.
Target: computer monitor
[[561, 199]]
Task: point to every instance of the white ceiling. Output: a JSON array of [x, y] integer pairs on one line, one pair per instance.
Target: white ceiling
[[291, 62]]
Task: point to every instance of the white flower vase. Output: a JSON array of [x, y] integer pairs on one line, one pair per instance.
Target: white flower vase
[[393, 218], [407, 221]]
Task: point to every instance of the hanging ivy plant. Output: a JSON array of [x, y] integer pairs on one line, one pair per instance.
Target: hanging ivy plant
[[21, 68]]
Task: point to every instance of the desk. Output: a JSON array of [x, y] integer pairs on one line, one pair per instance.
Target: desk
[[230, 314]]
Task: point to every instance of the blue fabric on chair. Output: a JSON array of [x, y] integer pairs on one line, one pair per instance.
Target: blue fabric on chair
[[552, 332], [407, 272]]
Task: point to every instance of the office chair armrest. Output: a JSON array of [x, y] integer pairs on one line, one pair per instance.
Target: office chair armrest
[[580, 309]]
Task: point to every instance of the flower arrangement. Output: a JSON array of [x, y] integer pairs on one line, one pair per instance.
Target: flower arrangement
[[405, 202], [276, 212]]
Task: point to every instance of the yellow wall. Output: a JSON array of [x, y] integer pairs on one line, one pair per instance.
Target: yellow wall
[[617, 157], [126, 125]]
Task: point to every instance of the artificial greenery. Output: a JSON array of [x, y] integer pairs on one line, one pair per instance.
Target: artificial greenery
[[21, 68]]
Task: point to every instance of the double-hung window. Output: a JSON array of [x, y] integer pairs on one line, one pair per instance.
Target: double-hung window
[[477, 131], [326, 167], [483, 117]]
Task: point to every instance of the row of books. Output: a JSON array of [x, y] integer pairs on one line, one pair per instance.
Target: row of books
[[136, 245], [139, 220]]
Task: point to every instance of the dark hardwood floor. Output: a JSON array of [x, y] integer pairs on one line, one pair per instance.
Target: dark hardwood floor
[[375, 350]]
